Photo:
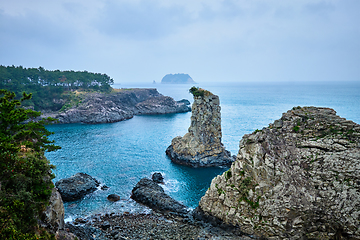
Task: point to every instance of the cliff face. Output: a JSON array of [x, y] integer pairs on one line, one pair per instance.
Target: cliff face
[[299, 178], [53, 215], [105, 108], [201, 146]]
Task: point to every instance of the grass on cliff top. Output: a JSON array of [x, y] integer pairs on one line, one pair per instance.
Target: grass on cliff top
[[199, 92]]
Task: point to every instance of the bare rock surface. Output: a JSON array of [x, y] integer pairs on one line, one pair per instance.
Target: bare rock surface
[[119, 106], [152, 195], [76, 186], [299, 178], [53, 216], [201, 146], [150, 226]]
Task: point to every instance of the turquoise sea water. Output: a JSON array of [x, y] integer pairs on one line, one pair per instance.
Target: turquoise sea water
[[120, 154]]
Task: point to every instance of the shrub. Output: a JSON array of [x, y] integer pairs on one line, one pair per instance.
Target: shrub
[[296, 128], [196, 92]]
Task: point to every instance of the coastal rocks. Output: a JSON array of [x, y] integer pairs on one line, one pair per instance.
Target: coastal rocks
[[201, 146], [53, 217], [119, 106], [156, 226], [299, 178], [152, 195], [161, 105], [76, 186]]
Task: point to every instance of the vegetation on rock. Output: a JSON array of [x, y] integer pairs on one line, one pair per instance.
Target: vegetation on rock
[[197, 92], [25, 173]]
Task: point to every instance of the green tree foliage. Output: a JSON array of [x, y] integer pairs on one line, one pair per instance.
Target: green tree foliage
[[196, 92], [49, 85], [25, 173]]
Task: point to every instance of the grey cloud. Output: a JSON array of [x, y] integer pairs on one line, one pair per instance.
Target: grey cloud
[[140, 21], [34, 28], [322, 7], [210, 39]]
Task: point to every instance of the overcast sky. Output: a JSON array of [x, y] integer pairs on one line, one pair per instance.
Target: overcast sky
[[211, 40]]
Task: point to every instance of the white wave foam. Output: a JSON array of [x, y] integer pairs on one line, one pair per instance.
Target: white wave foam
[[68, 219], [171, 185]]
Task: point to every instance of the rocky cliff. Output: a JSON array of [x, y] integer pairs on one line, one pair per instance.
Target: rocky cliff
[[122, 105], [299, 178], [201, 146]]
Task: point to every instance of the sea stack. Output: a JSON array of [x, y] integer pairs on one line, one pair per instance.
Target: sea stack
[[201, 146], [299, 178]]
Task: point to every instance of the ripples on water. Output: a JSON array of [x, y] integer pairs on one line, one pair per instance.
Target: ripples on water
[[120, 154]]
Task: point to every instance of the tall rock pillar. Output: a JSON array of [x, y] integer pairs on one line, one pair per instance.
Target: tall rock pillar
[[201, 146]]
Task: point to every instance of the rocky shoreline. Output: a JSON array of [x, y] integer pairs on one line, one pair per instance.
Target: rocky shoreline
[[150, 226], [168, 219], [296, 179], [118, 106]]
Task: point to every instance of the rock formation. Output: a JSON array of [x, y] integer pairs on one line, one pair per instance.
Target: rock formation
[[299, 178], [201, 146], [76, 186], [53, 217], [152, 195], [119, 106], [177, 78]]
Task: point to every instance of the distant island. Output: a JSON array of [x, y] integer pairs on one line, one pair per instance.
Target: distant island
[[178, 78]]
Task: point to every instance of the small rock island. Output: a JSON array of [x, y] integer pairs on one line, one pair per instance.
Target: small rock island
[[201, 146], [178, 78]]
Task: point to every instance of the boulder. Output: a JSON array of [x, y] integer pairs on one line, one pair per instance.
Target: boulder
[[76, 186], [157, 177], [201, 146], [113, 197], [149, 193], [299, 178]]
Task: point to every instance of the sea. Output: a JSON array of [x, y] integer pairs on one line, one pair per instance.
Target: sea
[[120, 154]]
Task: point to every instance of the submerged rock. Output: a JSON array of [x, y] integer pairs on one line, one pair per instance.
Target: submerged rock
[[76, 186], [299, 178], [152, 195], [201, 146]]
